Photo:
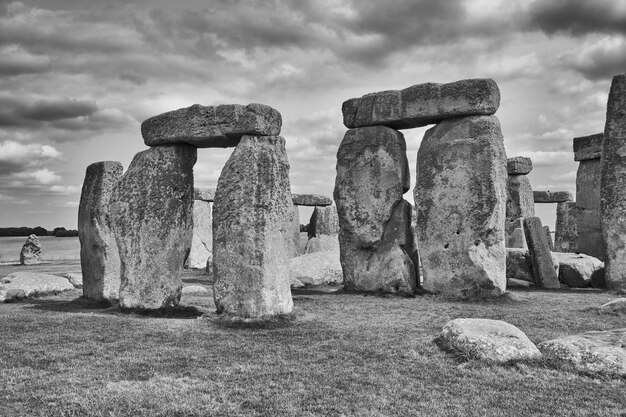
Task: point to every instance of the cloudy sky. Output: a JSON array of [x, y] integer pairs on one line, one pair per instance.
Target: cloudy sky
[[79, 76]]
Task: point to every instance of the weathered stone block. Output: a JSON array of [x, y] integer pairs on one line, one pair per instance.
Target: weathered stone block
[[576, 270], [460, 197], [519, 165], [422, 104], [250, 220], [211, 126], [99, 256], [292, 236], [324, 221], [31, 251], [566, 234], [202, 239], [311, 200], [540, 254], [519, 204], [316, 268], [588, 147], [589, 229], [552, 196], [151, 210], [31, 284], [518, 264]]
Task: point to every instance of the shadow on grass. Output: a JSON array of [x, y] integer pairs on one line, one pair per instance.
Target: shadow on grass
[[282, 321]]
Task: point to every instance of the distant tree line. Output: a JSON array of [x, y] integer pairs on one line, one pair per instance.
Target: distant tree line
[[39, 231]]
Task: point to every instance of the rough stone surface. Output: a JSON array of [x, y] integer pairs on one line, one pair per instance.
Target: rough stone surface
[[151, 211], [588, 147], [518, 283], [589, 225], [546, 230], [460, 202], [519, 204], [598, 279], [488, 340], [552, 196], [202, 238], [195, 289], [518, 265], [211, 126], [614, 306], [519, 165], [31, 251], [311, 200], [316, 268], [517, 238], [540, 255], [30, 284], [613, 186], [324, 221], [576, 270], [251, 218], [323, 243], [596, 351], [204, 194], [75, 279], [376, 241], [292, 236], [422, 104], [99, 256], [566, 233]]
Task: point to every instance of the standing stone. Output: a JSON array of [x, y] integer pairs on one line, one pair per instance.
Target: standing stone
[[546, 231], [99, 256], [202, 239], [613, 186], [566, 234], [31, 251], [251, 218], [460, 195], [376, 242], [151, 209], [540, 255], [589, 225], [519, 204], [324, 221], [292, 237]]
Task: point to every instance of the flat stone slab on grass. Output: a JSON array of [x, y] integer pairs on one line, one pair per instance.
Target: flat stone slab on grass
[[211, 126], [29, 284], [311, 200], [588, 147], [316, 268], [552, 196], [576, 269], [488, 340], [596, 351], [422, 104]]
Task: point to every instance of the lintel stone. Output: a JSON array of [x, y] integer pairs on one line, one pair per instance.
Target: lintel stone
[[588, 147], [552, 196], [519, 165], [204, 194], [311, 200]]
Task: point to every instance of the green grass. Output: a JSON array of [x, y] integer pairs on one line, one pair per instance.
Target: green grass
[[53, 248], [337, 354]]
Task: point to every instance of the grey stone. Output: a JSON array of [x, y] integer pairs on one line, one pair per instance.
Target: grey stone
[[614, 306], [519, 204], [519, 165], [324, 221], [75, 279], [546, 230], [30, 284], [518, 265], [588, 147], [195, 289], [460, 197], [311, 200], [204, 194], [589, 225], [566, 234], [422, 104], [552, 196], [323, 243], [292, 236], [603, 352], [517, 238], [211, 126], [375, 238], [488, 340], [250, 220], [99, 256], [151, 210], [576, 270], [540, 255], [202, 238], [316, 269], [613, 186], [31, 251], [518, 283]]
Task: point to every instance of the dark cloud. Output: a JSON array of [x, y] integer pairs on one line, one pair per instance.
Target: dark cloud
[[578, 17], [51, 110], [22, 63], [599, 61]]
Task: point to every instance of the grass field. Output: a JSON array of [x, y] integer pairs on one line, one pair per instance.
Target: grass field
[[338, 354], [53, 248]]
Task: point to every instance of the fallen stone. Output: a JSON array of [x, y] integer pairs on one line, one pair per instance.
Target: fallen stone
[[311, 200], [422, 104], [195, 289], [488, 340], [519, 204], [75, 279], [518, 283], [151, 210], [601, 352], [316, 269], [566, 233], [324, 221], [614, 306], [519, 165], [322, 243], [598, 279], [251, 218], [211, 126], [552, 196], [20, 285], [376, 241], [460, 202], [588, 147], [99, 255], [576, 269], [202, 238], [31, 251], [540, 254], [613, 186], [204, 194]]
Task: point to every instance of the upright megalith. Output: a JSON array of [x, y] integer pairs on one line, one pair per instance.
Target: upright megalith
[[588, 151], [151, 209], [540, 255], [99, 257], [566, 233], [292, 236], [250, 219], [613, 185], [30, 254], [519, 198], [460, 196], [202, 238], [323, 230], [377, 250]]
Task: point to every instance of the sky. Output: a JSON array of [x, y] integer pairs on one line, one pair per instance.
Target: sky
[[77, 78]]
